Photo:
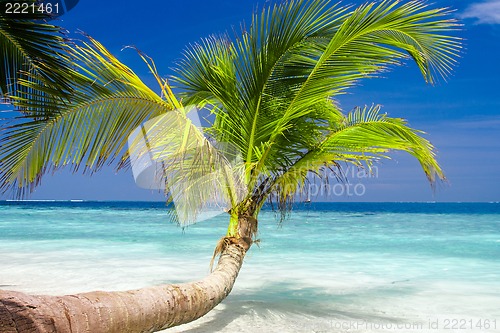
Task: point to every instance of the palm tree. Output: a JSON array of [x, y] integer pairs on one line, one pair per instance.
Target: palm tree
[[271, 93]]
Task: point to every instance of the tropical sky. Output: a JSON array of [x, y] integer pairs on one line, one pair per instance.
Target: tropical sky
[[461, 115]]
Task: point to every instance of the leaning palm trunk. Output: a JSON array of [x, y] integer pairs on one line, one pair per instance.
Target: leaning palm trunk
[[145, 310]]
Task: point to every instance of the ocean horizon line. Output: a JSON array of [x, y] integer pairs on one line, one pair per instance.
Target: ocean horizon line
[[295, 202]]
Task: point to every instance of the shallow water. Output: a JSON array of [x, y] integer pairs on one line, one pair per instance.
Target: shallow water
[[328, 268]]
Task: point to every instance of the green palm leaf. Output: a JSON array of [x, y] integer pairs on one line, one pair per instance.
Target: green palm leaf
[[362, 138], [108, 103], [30, 46]]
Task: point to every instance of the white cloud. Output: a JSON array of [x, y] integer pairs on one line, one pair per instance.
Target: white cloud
[[484, 12]]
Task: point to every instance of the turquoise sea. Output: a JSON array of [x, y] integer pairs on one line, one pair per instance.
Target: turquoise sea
[[330, 267]]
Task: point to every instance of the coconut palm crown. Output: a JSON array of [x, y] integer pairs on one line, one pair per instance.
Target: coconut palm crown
[[271, 91]]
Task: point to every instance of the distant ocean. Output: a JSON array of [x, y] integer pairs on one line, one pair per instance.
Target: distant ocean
[[330, 267]]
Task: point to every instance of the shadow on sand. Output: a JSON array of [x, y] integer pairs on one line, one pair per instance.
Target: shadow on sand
[[298, 309]]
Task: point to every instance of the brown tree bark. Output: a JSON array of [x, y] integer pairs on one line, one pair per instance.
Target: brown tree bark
[[145, 310]]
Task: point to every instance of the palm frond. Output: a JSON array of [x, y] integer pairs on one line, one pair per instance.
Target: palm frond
[[364, 136], [30, 46], [371, 38], [108, 102], [200, 177], [367, 131]]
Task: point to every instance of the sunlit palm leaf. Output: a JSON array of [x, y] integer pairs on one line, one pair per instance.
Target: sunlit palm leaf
[[109, 101], [366, 44], [200, 177], [368, 131], [364, 136]]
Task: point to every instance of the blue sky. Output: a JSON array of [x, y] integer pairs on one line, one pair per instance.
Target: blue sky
[[461, 116]]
